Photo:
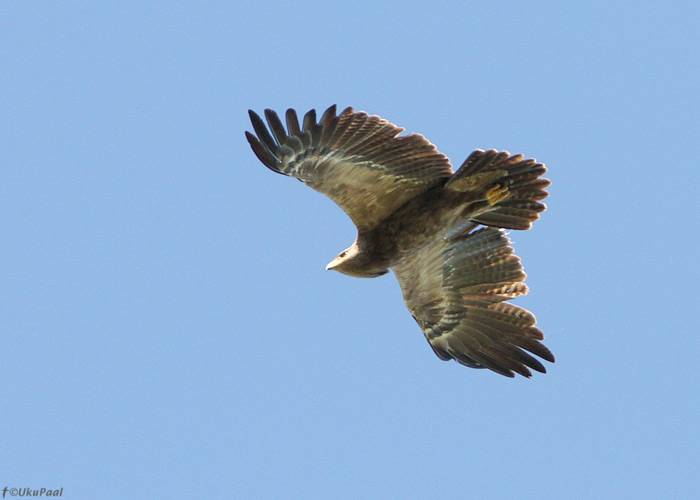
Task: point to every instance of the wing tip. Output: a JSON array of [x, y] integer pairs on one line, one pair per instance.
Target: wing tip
[[262, 152]]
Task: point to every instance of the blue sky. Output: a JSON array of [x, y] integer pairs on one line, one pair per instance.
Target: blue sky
[[169, 330]]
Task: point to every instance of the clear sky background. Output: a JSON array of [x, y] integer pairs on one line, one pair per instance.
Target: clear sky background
[[167, 326]]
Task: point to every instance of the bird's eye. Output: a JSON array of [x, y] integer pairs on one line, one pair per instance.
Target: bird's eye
[[343, 254]]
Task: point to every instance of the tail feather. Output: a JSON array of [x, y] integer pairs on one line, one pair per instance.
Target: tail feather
[[519, 179]]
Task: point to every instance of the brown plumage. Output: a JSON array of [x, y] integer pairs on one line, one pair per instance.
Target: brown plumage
[[416, 216]]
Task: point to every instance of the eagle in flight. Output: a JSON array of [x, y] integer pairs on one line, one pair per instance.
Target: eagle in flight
[[441, 232]]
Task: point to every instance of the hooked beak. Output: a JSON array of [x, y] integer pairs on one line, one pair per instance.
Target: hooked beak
[[329, 267]]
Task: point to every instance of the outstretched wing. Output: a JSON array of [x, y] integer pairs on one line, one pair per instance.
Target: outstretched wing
[[456, 290], [355, 159]]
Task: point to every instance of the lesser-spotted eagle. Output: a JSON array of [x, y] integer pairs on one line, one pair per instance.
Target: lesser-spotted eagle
[[441, 232]]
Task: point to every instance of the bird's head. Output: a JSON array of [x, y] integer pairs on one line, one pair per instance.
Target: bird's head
[[344, 261], [355, 263]]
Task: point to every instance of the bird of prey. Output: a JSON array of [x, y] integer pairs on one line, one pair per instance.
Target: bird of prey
[[441, 232]]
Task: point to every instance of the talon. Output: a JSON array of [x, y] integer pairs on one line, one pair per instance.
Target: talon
[[496, 193]]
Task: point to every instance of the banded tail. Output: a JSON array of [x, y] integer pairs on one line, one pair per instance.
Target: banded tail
[[511, 187]]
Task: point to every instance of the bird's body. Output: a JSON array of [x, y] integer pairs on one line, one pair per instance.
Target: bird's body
[[400, 236], [418, 218]]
